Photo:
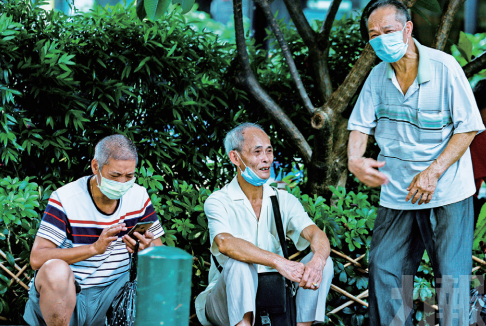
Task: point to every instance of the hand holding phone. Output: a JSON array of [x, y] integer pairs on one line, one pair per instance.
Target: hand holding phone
[[141, 228]]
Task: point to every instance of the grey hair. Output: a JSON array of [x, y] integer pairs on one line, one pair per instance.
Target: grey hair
[[234, 138], [118, 147], [402, 14]]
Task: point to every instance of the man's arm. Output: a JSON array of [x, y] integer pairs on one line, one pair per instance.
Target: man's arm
[[321, 249], [363, 168], [424, 184], [44, 250], [247, 252]]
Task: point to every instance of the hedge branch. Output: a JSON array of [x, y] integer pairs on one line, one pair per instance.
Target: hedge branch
[[317, 55], [475, 66], [257, 91], [445, 24], [287, 55]]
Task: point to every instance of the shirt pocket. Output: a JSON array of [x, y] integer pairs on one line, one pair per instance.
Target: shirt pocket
[[431, 125]]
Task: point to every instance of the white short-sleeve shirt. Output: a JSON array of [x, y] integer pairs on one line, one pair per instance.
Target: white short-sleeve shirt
[[413, 129], [229, 211]]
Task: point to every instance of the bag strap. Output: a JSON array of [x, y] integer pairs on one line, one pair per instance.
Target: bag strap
[[278, 223], [133, 262], [218, 266]]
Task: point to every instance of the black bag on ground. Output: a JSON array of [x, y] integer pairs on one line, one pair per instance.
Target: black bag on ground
[[122, 309]]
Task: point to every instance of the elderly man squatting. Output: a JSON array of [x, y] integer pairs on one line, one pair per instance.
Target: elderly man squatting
[[80, 253], [244, 239]]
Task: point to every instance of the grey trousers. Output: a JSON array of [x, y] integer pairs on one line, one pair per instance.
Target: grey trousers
[[235, 292], [398, 244]]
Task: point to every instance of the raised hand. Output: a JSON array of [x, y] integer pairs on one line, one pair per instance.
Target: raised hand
[[365, 169], [108, 235]]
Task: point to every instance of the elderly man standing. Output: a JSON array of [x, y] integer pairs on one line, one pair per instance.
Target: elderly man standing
[[421, 110], [80, 253], [244, 239]]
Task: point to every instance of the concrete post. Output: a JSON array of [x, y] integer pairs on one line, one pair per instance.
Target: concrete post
[[164, 287]]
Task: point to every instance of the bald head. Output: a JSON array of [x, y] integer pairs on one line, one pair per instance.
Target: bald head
[[117, 147]]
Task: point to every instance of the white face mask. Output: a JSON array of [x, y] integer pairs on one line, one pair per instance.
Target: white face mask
[[114, 189]]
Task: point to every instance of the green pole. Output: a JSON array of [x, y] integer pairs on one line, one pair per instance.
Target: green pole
[[164, 287]]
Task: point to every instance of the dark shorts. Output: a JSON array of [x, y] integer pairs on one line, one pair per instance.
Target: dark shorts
[[91, 304]]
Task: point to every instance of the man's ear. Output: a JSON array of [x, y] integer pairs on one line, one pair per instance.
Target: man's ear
[[94, 166], [409, 28], [234, 158]]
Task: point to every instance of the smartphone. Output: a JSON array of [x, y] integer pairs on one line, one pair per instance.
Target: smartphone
[[141, 227]]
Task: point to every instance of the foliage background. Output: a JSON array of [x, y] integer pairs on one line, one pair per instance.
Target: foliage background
[[66, 82]]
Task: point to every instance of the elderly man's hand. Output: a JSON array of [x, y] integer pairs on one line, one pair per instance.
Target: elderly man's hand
[[313, 273], [107, 236], [365, 170], [291, 270], [423, 187], [145, 241]]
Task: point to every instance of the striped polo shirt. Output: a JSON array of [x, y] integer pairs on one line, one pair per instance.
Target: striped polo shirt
[[413, 129], [72, 219]]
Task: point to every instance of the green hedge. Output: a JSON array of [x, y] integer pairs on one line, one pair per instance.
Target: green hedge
[[66, 82]]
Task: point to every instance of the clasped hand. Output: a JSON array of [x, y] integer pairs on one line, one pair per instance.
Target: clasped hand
[[309, 276], [110, 234]]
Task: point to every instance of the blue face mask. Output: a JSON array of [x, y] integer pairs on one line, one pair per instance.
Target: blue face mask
[[250, 176], [390, 47]]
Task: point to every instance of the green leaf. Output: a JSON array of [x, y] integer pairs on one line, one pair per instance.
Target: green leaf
[[465, 46], [10, 259], [156, 8], [185, 4]]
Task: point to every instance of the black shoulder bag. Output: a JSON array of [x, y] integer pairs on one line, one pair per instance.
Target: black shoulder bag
[[275, 299]]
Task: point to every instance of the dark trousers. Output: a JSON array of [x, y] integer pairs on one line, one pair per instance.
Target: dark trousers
[[398, 244]]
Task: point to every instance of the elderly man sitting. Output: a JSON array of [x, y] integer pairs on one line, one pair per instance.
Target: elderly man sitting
[[244, 239], [81, 250]]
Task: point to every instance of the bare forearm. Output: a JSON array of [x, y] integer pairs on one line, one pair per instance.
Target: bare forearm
[[357, 144], [319, 242], [70, 255], [458, 144], [247, 252]]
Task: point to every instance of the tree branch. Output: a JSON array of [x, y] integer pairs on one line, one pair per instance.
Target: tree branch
[[287, 54], [317, 56], [475, 66], [258, 93], [326, 27], [445, 24], [341, 97], [300, 21]]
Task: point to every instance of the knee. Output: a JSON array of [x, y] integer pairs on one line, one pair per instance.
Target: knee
[[240, 268], [328, 271], [55, 273]]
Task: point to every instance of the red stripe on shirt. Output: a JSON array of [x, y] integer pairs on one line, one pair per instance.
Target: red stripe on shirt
[[55, 202], [113, 222], [57, 218], [147, 216]]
